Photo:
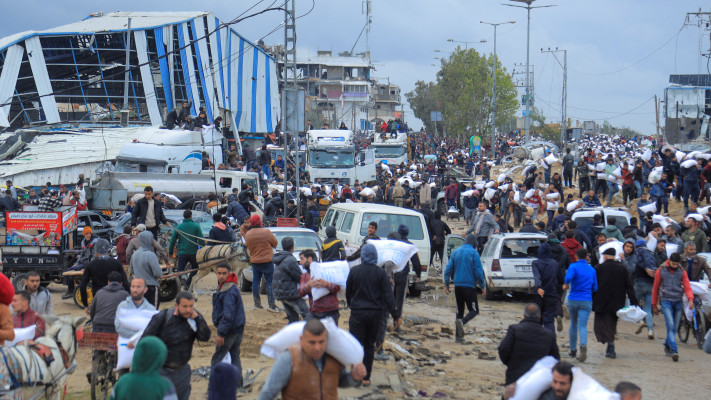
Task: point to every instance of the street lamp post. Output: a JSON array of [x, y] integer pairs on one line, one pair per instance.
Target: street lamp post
[[466, 44], [564, 96], [528, 8], [493, 97]]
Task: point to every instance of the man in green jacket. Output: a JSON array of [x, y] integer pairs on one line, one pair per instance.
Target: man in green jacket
[[188, 236]]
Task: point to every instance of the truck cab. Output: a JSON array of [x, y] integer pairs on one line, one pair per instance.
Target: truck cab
[[391, 150], [332, 155]]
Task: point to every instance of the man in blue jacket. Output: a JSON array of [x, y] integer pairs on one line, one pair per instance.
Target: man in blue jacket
[[465, 270], [228, 317], [581, 278]]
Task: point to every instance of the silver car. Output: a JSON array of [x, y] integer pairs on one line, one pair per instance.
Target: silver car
[[506, 260]]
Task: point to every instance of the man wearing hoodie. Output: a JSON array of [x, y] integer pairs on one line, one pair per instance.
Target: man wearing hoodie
[[368, 292], [643, 277], [333, 248], [145, 265], [571, 245], [219, 232], [547, 277], [98, 270], [105, 303], [188, 236], [614, 283], [261, 243], [134, 301], [561, 256], [287, 276], [228, 318], [465, 270], [144, 382], [612, 231], [581, 278], [401, 279]]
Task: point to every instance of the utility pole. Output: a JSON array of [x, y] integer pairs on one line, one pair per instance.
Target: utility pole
[[528, 8], [127, 74], [290, 101], [564, 96], [656, 111], [493, 96]]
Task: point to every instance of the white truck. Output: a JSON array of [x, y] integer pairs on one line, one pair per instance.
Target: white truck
[[332, 155], [115, 188], [390, 150], [170, 151]]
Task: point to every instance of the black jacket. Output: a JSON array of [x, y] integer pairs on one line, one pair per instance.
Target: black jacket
[[368, 288], [223, 235], [547, 274], [9, 203], [613, 282], [178, 336], [139, 212], [528, 228], [333, 250], [524, 344], [287, 276], [439, 230], [561, 255], [97, 272]]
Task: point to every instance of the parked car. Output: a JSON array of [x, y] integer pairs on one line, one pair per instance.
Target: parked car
[[175, 217], [102, 227], [584, 217], [351, 222], [506, 260], [304, 239]]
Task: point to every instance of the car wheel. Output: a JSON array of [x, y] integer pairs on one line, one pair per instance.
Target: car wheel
[[244, 285], [168, 289], [18, 281], [489, 294]]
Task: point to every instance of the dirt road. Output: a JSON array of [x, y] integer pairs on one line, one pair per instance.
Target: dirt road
[[426, 362]]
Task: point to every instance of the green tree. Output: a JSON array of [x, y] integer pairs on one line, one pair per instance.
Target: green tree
[[463, 92]]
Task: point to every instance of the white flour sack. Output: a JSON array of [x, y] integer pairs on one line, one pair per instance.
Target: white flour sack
[[341, 345]]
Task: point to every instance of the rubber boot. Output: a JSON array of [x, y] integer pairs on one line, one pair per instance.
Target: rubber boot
[[611, 351]]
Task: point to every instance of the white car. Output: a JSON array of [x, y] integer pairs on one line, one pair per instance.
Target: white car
[[506, 260], [584, 217]]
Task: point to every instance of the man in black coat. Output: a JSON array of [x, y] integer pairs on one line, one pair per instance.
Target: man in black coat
[[548, 278], [148, 212], [525, 343], [613, 282], [527, 226], [561, 255], [439, 230]]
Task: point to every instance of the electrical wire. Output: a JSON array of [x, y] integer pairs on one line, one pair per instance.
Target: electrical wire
[[629, 112]]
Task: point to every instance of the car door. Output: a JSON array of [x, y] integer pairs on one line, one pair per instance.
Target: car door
[[451, 243]]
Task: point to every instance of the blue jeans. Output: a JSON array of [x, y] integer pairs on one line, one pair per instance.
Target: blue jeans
[[638, 186], [267, 271], [265, 169], [643, 290], [672, 313], [579, 314], [612, 188], [547, 175]]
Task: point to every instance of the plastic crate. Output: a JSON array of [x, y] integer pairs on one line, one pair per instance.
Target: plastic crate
[[99, 341]]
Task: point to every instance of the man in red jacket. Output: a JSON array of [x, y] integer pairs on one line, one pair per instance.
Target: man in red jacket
[[24, 315], [326, 306], [571, 245]]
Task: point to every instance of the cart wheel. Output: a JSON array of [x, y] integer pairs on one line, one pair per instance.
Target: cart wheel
[[168, 289], [77, 296], [18, 281], [244, 285]]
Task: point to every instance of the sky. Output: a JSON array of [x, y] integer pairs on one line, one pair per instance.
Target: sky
[[620, 52]]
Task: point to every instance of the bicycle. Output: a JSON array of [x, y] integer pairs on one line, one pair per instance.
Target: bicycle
[[697, 325], [103, 374]]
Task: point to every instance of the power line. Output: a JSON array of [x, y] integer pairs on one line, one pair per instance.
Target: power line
[[629, 112]]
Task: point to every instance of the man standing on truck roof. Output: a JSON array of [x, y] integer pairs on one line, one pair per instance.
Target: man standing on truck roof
[[9, 202], [149, 212]]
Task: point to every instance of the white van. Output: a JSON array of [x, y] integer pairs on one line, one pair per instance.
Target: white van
[[351, 221]]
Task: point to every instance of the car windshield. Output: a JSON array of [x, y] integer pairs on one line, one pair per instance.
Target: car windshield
[[389, 151], [302, 240], [332, 158], [388, 223], [520, 248]]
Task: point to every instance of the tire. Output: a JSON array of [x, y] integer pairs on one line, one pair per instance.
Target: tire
[[168, 289], [99, 386], [18, 281], [700, 331], [489, 294], [244, 285], [77, 296], [684, 329], [413, 291]]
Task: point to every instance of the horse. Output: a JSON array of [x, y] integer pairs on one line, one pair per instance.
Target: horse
[[208, 257], [45, 361]]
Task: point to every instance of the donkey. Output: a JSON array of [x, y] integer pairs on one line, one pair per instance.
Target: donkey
[[208, 257], [47, 360]]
